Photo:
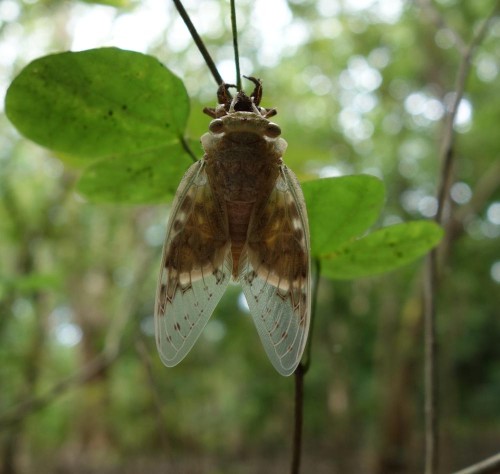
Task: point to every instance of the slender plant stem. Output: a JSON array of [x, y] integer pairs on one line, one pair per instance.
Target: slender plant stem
[[490, 465], [30, 405], [299, 411], [430, 287], [142, 350], [110, 353], [440, 22], [199, 42], [430, 368], [307, 359], [235, 45], [299, 374], [188, 149]]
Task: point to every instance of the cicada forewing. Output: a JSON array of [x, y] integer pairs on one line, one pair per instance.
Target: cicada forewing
[[195, 269], [275, 272]]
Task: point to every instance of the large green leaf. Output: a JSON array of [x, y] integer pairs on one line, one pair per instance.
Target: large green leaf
[[340, 209], [121, 111], [98, 103], [151, 177], [382, 251]]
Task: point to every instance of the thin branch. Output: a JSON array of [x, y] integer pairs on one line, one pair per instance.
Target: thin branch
[[235, 45], [307, 359], [87, 373], [187, 149], [489, 465], [430, 367], [109, 354], [447, 155], [440, 23], [299, 411], [299, 374], [199, 42], [486, 187], [160, 419], [430, 290]]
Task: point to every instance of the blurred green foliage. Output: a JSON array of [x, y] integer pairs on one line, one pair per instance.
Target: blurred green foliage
[[358, 90]]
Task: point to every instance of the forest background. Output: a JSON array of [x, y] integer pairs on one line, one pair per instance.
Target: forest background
[[360, 87]]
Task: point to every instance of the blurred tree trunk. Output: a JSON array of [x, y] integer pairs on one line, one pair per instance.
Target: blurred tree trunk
[[93, 433], [33, 362], [399, 368], [26, 263], [89, 289]]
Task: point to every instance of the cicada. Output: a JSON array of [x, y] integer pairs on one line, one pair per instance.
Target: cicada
[[239, 214]]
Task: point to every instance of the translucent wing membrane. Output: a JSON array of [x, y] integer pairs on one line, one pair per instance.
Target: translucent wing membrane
[[195, 269], [275, 273]]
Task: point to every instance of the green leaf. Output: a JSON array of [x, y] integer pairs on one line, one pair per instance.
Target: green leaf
[[98, 103], [382, 251], [340, 209], [151, 177]]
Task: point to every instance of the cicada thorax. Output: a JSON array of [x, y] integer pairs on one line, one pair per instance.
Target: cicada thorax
[[243, 154], [242, 177]]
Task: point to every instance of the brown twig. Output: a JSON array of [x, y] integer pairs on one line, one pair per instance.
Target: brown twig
[[235, 45], [485, 187], [440, 23], [299, 413], [111, 351], [299, 374], [188, 149], [430, 369], [199, 42], [489, 465], [314, 298], [87, 373], [160, 418], [430, 290]]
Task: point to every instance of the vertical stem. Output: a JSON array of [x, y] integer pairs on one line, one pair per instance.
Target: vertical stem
[[430, 370], [490, 465], [430, 291], [299, 410], [235, 45], [299, 375], [314, 304], [199, 42]]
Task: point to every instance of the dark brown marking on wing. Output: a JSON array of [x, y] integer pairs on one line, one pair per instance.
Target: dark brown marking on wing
[[199, 241], [238, 218], [277, 248]]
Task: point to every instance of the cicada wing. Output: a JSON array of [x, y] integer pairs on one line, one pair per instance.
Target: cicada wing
[[275, 273], [195, 269]]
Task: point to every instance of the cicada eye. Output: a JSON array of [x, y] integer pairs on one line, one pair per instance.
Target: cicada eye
[[216, 126], [272, 130]]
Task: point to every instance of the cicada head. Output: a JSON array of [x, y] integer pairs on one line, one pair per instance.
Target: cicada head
[[241, 102]]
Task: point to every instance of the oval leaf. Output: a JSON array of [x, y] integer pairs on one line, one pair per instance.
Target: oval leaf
[[340, 209], [382, 251], [151, 177], [98, 103]]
